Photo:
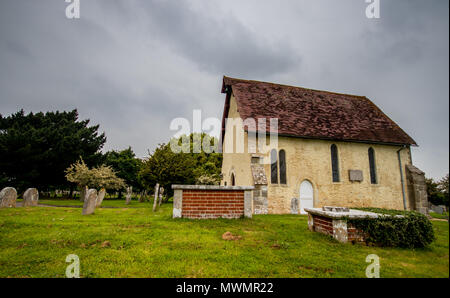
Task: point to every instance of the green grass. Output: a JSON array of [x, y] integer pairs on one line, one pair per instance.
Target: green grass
[[34, 242], [106, 203], [437, 215]]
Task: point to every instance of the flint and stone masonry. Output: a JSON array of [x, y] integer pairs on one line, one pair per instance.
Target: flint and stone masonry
[[211, 201]]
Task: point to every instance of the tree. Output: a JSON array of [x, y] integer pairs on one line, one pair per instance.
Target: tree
[[442, 186], [438, 191], [35, 149], [98, 177], [126, 165], [167, 167]]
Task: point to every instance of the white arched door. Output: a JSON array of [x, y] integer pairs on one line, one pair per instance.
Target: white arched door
[[306, 196]]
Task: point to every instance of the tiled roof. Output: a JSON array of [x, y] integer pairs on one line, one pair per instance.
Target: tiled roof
[[311, 113]]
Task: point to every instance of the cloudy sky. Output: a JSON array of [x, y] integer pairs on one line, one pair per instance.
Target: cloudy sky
[[134, 65]]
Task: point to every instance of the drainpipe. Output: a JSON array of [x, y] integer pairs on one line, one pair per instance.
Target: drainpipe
[[401, 176]]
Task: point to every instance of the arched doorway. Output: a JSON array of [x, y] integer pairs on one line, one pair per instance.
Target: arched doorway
[[233, 182], [306, 196]]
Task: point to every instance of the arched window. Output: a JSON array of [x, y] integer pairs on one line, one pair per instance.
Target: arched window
[[373, 169], [282, 156], [334, 163], [233, 182], [273, 167]]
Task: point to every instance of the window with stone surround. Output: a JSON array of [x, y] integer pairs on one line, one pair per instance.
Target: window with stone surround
[[273, 167], [372, 165], [335, 163], [282, 157]]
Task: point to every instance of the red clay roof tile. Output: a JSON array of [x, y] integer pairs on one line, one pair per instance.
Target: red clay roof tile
[[311, 113]]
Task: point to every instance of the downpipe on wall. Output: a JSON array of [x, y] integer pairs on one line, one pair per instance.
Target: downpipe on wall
[[401, 175]]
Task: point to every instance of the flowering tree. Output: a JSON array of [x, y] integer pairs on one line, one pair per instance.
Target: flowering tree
[[99, 177]]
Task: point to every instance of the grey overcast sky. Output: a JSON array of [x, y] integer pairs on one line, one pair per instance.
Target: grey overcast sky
[[134, 65]]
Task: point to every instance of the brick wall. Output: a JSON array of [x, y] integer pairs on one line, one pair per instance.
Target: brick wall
[[323, 225], [339, 229], [209, 202], [354, 234], [213, 204]]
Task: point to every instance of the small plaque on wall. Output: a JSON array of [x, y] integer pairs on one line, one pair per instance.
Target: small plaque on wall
[[355, 175]]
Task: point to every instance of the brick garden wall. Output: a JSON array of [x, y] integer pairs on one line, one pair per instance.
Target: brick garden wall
[[212, 201], [213, 204]]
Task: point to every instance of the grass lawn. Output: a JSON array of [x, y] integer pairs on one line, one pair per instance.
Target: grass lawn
[[34, 242], [437, 215], [106, 203]]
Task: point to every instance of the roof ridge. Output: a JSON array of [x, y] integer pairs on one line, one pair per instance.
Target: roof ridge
[[304, 88]]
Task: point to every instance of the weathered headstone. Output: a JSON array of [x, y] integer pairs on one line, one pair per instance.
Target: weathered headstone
[[100, 197], [141, 197], [294, 205], [89, 202], [83, 192], [161, 193], [155, 200], [30, 197], [128, 195], [8, 197], [437, 209]]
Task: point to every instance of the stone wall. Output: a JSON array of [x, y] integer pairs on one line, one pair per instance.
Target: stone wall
[[417, 189], [309, 159], [210, 202]]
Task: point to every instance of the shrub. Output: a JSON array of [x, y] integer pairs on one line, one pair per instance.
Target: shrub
[[411, 230]]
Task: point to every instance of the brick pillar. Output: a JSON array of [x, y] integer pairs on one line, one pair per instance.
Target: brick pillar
[[248, 203], [177, 203]]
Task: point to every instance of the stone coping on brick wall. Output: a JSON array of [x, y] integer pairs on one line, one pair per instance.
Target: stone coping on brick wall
[[211, 187], [352, 213]]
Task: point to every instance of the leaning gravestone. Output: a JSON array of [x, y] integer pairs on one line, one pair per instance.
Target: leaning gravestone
[[8, 197], [30, 197], [89, 202], [294, 206], [100, 197], [128, 196]]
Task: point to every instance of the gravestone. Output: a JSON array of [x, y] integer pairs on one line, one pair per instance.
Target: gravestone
[[89, 202], [142, 197], [156, 196], [294, 206], [161, 193], [128, 196], [30, 197], [437, 209], [100, 197], [83, 192], [8, 197]]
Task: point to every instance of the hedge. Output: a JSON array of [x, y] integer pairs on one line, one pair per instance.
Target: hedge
[[412, 230]]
